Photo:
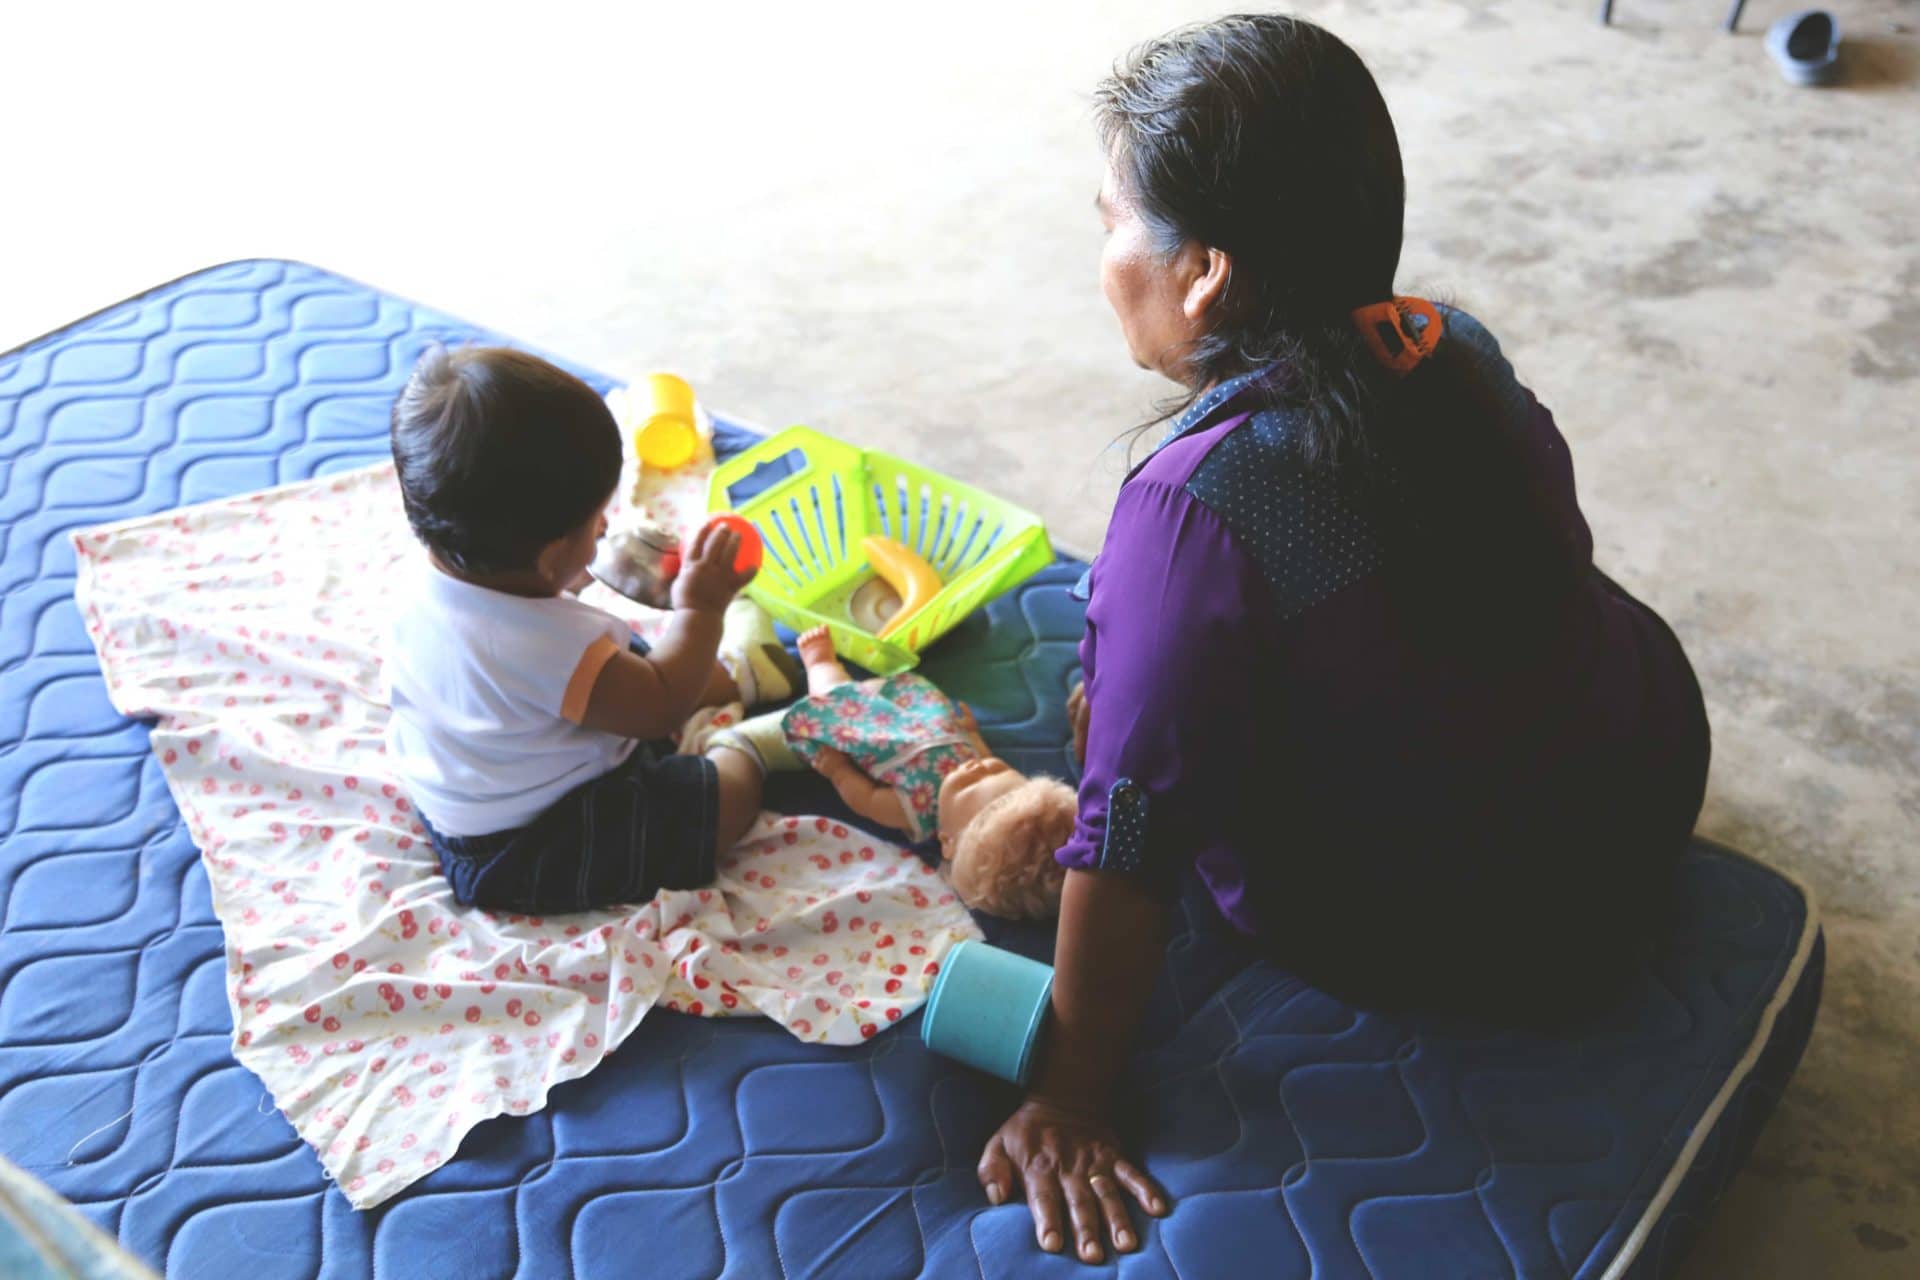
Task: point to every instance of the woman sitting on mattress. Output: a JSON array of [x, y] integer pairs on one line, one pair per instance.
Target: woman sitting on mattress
[[1347, 655]]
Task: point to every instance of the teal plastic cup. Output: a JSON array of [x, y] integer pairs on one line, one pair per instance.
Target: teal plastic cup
[[987, 1010]]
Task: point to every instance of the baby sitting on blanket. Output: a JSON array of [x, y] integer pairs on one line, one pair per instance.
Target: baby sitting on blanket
[[530, 728], [904, 755]]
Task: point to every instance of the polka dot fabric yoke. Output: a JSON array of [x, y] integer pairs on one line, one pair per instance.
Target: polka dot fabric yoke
[[1306, 532]]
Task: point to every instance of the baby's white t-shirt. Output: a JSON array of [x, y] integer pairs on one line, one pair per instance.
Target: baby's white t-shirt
[[487, 692]]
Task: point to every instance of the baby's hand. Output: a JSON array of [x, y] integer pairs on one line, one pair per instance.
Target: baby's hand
[[707, 581]]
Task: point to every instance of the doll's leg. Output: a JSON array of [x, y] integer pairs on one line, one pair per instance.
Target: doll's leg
[[824, 671]]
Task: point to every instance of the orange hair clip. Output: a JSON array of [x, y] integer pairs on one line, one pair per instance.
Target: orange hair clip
[[1387, 329]]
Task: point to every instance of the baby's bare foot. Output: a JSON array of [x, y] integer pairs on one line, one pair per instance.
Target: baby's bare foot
[[816, 647]]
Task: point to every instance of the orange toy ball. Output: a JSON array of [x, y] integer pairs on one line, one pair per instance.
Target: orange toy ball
[[751, 550]]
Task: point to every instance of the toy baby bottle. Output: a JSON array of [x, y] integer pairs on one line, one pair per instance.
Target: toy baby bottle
[[640, 561]]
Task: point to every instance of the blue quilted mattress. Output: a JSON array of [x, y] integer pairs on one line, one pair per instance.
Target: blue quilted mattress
[[1297, 1135]]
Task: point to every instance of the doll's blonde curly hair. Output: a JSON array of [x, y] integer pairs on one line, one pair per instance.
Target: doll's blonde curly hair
[[1003, 860]]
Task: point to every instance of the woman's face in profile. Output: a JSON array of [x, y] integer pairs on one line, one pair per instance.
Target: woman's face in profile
[[1146, 291]]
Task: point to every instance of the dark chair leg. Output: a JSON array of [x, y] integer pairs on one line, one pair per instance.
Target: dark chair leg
[[1606, 12], [1733, 15]]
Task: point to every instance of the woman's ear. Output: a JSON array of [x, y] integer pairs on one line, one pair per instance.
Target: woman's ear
[[1209, 285]]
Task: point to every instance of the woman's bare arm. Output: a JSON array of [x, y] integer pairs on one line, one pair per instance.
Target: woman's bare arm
[[1060, 1147]]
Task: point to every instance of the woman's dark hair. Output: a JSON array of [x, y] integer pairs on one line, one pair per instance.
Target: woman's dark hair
[[1264, 136], [499, 453]]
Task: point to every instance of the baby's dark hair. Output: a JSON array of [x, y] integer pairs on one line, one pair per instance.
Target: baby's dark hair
[[499, 453]]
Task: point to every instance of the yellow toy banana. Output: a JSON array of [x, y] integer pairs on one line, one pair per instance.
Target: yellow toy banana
[[901, 568]]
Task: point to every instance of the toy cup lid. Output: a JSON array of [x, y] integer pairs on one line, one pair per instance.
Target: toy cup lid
[[666, 441]]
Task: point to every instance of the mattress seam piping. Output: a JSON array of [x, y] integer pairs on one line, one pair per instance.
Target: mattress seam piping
[[1710, 1118]]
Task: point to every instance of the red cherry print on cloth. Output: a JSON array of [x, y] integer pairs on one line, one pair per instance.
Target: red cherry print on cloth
[[258, 755]]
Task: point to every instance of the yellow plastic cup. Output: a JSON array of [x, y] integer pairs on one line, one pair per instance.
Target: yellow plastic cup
[[667, 437]]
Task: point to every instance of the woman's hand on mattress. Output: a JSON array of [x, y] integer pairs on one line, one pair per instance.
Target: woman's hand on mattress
[[707, 581], [1078, 716], [1068, 1163], [1058, 1145]]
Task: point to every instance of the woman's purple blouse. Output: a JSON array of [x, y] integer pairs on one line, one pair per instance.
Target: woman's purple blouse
[[1253, 703]]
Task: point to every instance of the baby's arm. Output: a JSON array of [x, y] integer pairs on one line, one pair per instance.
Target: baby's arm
[[652, 697], [872, 800]]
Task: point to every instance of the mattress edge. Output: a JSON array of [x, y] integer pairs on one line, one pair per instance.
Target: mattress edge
[[138, 294], [1783, 993]]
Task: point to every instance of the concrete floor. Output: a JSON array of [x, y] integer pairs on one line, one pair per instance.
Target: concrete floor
[[881, 224]]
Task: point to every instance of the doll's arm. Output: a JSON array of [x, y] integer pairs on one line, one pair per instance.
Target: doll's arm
[[873, 801], [1078, 718], [974, 737]]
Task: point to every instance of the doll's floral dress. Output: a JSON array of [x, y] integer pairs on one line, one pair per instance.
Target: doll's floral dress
[[902, 732]]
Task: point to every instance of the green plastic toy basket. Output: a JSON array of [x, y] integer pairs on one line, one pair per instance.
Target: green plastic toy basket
[[820, 498]]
